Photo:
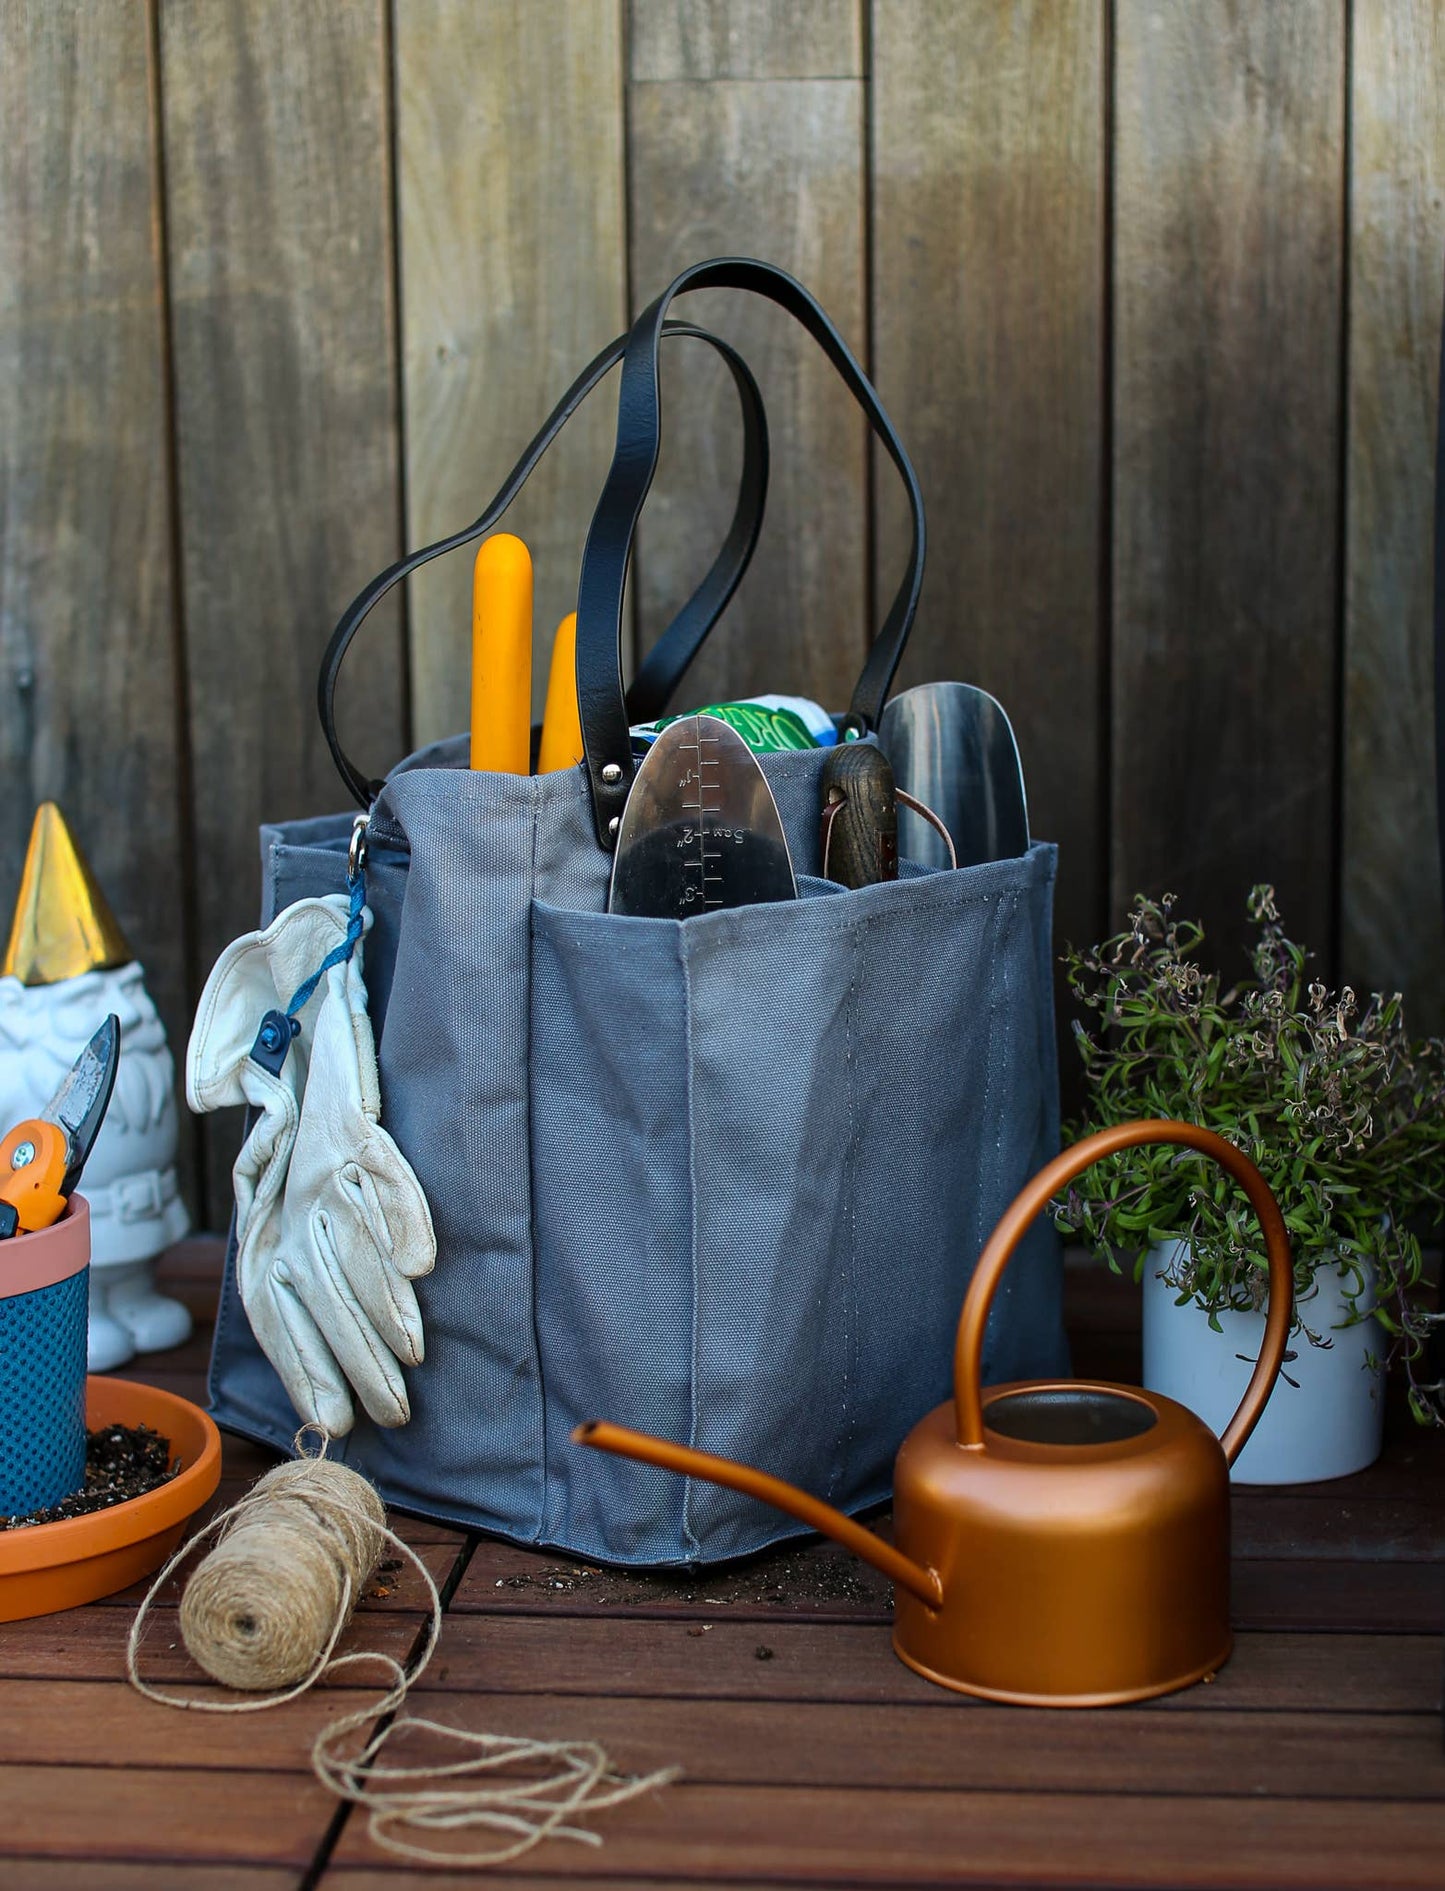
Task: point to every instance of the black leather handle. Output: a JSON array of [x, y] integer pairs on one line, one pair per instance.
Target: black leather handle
[[603, 706], [678, 645]]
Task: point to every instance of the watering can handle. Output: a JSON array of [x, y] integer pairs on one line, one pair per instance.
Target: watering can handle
[[968, 1350]]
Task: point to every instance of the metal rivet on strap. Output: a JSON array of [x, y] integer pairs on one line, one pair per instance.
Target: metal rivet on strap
[[612, 773], [614, 824]]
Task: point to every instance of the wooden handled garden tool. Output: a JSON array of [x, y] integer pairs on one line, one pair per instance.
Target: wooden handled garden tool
[[42, 1158], [858, 833], [858, 840]]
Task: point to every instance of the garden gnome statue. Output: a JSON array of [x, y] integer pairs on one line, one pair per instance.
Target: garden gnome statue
[[68, 966]]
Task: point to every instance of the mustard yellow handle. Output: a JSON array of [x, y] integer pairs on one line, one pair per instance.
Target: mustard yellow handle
[[561, 723], [502, 656], [1035, 1197]]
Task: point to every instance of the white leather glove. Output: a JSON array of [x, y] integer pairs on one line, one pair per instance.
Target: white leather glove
[[332, 1226]]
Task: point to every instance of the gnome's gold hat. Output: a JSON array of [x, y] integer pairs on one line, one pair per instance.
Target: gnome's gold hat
[[63, 925]]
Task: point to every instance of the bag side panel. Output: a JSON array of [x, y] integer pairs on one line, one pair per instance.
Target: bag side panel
[[613, 1222], [1025, 1336], [867, 1099], [773, 1048], [453, 1061], [956, 1099]]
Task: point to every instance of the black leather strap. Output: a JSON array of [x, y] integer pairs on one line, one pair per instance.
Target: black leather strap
[[678, 645], [604, 710]]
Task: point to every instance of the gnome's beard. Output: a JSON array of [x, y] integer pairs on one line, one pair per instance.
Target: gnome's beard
[[130, 1176]]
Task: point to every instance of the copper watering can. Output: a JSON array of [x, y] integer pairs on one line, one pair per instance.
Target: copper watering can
[[1059, 1543]]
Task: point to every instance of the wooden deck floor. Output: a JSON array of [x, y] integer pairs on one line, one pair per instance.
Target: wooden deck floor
[[809, 1754]]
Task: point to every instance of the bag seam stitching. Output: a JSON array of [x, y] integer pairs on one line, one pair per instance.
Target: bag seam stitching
[[689, 1535], [546, 1452], [850, 1293], [978, 1233], [882, 916]]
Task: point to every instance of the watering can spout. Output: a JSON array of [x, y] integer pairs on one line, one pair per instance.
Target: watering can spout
[[921, 1582]]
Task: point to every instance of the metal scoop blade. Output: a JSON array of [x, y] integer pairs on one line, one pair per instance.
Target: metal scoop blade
[[701, 830]]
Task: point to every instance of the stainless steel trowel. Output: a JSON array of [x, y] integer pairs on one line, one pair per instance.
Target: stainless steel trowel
[[952, 748], [701, 829]]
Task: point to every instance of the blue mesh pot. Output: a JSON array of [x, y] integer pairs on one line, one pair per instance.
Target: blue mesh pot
[[44, 1283]]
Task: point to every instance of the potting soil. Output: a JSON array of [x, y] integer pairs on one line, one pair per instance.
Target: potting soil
[[121, 1461]]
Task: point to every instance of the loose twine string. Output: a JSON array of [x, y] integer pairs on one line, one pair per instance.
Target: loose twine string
[[266, 1608]]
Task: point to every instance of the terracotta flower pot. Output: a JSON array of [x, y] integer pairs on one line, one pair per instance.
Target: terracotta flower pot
[[50, 1566]]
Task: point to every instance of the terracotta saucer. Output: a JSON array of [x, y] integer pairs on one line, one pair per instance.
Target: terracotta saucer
[[51, 1566]]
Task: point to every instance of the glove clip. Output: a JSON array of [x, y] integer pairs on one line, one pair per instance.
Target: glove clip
[[278, 1028], [273, 1041]]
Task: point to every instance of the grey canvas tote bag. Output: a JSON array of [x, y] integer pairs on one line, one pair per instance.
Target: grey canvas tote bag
[[722, 1179]]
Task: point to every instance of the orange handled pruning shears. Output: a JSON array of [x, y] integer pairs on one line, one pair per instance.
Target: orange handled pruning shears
[[41, 1158]]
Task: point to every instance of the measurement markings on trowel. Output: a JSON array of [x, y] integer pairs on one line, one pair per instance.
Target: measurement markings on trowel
[[700, 830], [698, 856]]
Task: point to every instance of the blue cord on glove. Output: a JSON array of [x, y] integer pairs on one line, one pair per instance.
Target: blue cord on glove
[[278, 1028], [340, 954]]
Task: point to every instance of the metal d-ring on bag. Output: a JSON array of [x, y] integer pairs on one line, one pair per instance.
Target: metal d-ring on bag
[[724, 1179]]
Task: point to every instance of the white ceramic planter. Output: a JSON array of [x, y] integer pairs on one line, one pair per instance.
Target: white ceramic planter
[[1327, 1423]]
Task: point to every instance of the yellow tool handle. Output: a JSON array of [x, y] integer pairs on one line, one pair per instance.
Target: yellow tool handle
[[561, 723], [502, 656]]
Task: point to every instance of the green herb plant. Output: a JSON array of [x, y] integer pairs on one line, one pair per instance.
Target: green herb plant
[[1339, 1109]]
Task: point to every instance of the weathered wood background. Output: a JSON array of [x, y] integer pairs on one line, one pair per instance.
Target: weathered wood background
[[1151, 287]]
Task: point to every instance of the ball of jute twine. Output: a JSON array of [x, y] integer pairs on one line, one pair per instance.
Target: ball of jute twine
[[289, 1566], [304, 1539]]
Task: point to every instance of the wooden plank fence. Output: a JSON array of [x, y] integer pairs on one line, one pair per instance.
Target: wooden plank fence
[[1152, 288]]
